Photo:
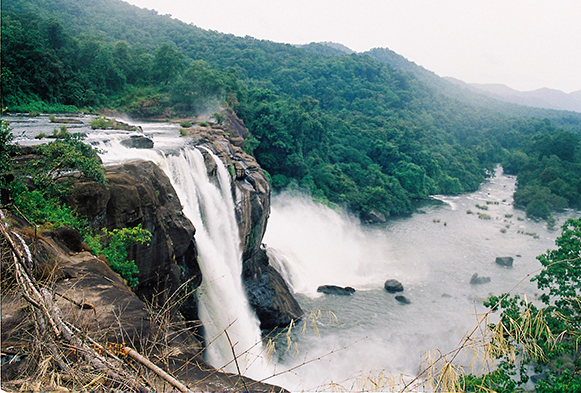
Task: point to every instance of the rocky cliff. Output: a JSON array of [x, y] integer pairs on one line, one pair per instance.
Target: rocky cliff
[[267, 291], [139, 192]]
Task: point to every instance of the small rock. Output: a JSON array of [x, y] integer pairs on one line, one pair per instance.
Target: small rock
[[402, 299], [138, 142], [393, 286], [504, 261], [474, 280], [335, 290]]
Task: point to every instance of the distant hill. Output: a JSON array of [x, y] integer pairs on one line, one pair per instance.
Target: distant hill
[[468, 94], [540, 98]]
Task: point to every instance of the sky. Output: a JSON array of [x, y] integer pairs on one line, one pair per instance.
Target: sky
[[525, 44]]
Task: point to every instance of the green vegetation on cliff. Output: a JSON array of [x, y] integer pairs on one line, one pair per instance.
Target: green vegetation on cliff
[[360, 130]]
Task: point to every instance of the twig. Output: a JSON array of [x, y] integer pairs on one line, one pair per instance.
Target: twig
[[147, 363]]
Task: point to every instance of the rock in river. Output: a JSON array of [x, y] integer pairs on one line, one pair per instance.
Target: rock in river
[[393, 286], [335, 290], [504, 261], [402, 299], [475, 279]]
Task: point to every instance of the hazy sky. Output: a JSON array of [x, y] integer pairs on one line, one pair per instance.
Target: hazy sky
[[525, 44]]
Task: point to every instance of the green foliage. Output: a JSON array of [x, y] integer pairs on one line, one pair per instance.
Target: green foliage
[[41, 208], [544, 339], [62, 158], [101, 123], [186, 124], [115, 245], [6, 148], [353, 129]]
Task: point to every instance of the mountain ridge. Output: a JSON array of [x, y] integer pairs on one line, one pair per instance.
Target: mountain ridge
[[543, 97]]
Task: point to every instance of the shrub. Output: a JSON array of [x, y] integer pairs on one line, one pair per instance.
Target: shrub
[[186, 124], [115, 244]]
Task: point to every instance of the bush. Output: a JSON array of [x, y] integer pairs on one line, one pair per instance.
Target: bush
[[115, 244], [186, 124]]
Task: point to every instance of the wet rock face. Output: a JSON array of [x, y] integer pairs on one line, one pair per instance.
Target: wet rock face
[[268, 293], [139, 192]]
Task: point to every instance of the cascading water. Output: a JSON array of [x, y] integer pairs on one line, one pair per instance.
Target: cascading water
[[229, 324], [224, 309]]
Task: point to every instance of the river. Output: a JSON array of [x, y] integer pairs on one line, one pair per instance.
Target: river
[[377, 340], [370, 341]]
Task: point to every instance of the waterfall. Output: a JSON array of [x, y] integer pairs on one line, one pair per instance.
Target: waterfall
[[224, 308]]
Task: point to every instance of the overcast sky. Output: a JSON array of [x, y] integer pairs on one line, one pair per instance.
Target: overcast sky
[[525, 44]]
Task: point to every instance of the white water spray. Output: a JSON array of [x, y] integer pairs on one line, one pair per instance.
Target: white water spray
[[224, 309], [223, 306]]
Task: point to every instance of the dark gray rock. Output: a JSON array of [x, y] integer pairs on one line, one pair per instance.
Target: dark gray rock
[[505, 261], [336, 290], [475, 279], [269, 295], [373, 217], [402, 299], [138, 142], [393, 286]]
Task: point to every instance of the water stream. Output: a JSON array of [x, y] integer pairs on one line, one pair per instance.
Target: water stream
[[365, 339], [434, 253]]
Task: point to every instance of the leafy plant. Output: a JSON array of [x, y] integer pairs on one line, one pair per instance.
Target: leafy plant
[[544, 339], [6, 148], [115, 244], [62, 158]]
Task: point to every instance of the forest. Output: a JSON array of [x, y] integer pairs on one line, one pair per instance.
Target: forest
[[364, 131]]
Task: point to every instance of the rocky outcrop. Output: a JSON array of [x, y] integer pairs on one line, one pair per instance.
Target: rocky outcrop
[[138, 142], [139, 192], [96, 301], [268, 293]]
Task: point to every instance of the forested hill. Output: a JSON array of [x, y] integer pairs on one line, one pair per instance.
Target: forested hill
[[347, 128]]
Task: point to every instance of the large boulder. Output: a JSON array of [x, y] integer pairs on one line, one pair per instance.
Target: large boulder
[[393, 286], [139, 192], [138, 142], [269, 295]]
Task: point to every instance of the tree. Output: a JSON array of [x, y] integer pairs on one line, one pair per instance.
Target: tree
[[168, 63], [546, 339]]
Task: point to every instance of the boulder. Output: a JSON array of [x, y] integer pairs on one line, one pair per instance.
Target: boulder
[[475, 279], [269, 295], [139, 192], [373, 217], [138, 142], [402, 299], [504, 261], [336, 290], [393, 286]]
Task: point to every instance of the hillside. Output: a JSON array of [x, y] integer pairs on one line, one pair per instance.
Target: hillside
[[540, 98], [357, 130], [508, 101]]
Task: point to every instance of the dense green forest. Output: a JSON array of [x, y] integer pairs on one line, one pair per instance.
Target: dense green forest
[[359, 130]]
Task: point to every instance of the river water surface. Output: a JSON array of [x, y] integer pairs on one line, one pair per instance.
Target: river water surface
[[434, 253], [365, 341]]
